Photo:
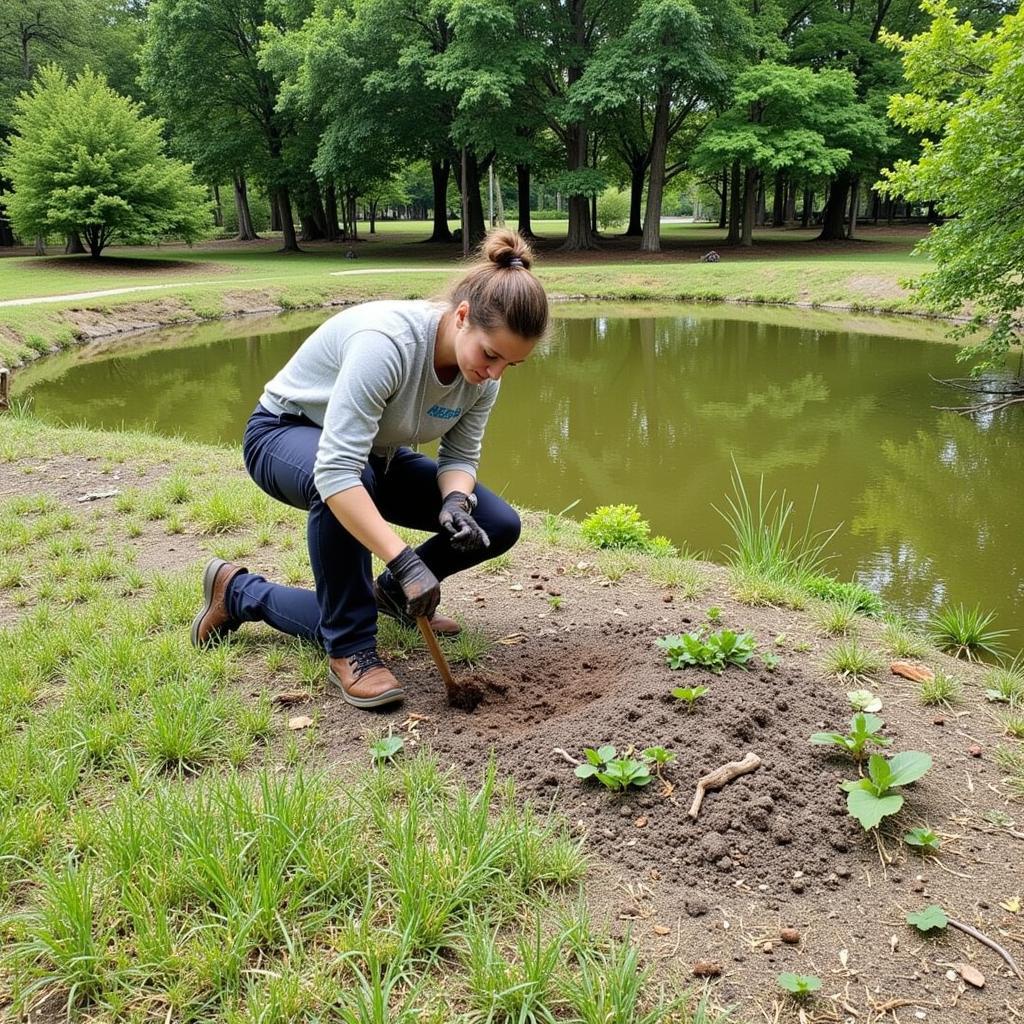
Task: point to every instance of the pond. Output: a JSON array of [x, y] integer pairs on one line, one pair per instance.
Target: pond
[[649, 405]]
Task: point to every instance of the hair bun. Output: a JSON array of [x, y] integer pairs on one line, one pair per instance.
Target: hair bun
[[507, 248]]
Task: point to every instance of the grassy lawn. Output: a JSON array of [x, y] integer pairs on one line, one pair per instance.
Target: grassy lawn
[[215, 279]]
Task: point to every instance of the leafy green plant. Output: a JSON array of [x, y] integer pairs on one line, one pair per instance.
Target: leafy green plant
[[864, 700], [931, 918], [615, 773], [828, 588], [616, 526], [922, 839], [770, 661], [966, 632], [799, 985], [837, 618], [872, 799], [689, 694], [714, 613], [864, 729], [903, 640], [658, 756], [942, 690], [555, 602], [386, 748], [714, 651]]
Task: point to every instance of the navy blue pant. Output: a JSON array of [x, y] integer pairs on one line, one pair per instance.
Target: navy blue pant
[[341, 615]]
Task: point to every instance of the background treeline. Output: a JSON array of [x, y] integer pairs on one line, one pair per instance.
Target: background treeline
[[305, 116]]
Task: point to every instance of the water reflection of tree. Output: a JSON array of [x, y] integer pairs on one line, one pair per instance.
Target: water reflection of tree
[[946, 505]]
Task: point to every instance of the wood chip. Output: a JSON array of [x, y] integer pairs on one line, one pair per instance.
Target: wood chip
[[660, 929], [300, 722], [289, 697], [971, 975], [707, 969], [915, 673]]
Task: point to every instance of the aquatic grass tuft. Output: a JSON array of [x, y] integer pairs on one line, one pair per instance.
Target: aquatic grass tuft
[[902, 640], [852, 662], [942, 690], [966, 632], [837, 618]]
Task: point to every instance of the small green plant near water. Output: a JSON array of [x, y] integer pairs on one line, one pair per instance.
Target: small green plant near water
[[966, 632], [615, 773], [1013, 723], [1005, 684], [714, 613], [924, 840], [849, 660], [498, 564], [874, 798], [828, 588], [942, 690], [903, 640], [386, 748], [469, 647], [616, 526], [837, 618], [800, 986], [864, 729], [689, 695], [714, 651], [659, 756], [864, 700], [1011, 761]]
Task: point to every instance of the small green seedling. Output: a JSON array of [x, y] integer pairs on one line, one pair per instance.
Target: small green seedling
[[689, 694], [714, 613], [864, 729], [555, 601], [659, 756], [932, 918], [872, 799], [864, 700], [799, 985], [386, 748], [771, 661], [615, 773], [715, 651], [924, 840]]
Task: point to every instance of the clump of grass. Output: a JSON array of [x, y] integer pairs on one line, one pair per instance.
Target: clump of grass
[[395, 640], [678, 574], [616, 563], [828, 588], [176, 489], [217, 513], [966, 632], [903, 641], [1012, 722], [1004, 684], [498, 564], [469, 647], [1012, 762], [852, 662], [942, 690], [766, 589], [837, 618]]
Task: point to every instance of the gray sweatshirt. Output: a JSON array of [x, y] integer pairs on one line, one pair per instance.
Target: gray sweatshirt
[[367, 377]]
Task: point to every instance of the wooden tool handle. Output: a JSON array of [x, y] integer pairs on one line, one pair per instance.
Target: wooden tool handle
[[435, 652]]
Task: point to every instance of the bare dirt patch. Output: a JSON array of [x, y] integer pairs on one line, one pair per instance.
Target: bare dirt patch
[[86, 266]]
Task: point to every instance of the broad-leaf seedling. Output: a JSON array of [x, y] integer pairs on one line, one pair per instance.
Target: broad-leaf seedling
[[616, 773], [932, 918], [385, 748], [715, 651], [922, 839], [771, 661], [799, 985], [659, 756], [872, 799], [689, 694], [864, 729], [864, 700]]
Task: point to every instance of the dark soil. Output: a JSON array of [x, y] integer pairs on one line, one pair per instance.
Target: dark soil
[[773, 849]]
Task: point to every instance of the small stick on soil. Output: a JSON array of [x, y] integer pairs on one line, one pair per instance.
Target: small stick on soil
[[465, 695], [565, 754], [720, 776], [986, 941]]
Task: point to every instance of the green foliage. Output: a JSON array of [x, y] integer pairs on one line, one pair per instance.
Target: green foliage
[[967, 93], [689, 695], [1005, 685], [931, 918], [966, 632], [84, 159], [849, 660], [714, 651], [828, 588], [864, 729], [616, 526], [659, 756], [864, 700], [612, 208], [923, 840], [386, 748], [872, 799], [942, 690], [799, 985], [615, 773]]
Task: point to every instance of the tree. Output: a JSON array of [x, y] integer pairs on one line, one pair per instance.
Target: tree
[[84, 159], [967, 98]]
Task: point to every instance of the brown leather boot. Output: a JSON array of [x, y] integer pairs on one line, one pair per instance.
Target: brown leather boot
[[363, 680], [392, 602], [213, 623]]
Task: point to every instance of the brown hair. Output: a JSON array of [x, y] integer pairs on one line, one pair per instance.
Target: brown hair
[[500, 289]]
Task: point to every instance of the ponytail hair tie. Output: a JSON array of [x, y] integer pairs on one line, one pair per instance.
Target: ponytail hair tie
[[516, 262]]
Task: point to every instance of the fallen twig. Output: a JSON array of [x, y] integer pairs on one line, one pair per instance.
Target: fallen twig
[[564, 753], [720, 776], [986, 941]]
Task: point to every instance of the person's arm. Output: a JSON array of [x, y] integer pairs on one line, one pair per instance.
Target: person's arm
[[355, 510], [455, 480]]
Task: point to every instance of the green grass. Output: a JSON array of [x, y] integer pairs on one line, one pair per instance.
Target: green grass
[[942, 690], [837, 618], [852, 662], [966, 632]]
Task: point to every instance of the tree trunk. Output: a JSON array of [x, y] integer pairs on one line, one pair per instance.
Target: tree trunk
[[94, 237], [760, 214], [523, 192], [440, 170], [656, 182], [637, 174], [275, 214], [854, 204], [833, 217], [476, 225], [789, 214], [6, 234], [218, 208], [373, 217], [593, 213], [751, 189], [245, 228], [581, 230], [40, 249], [499, 203], [808, 210], [331, 212], [74, 245], [734, 208], [289, 243], [779, 201], [723, 212]]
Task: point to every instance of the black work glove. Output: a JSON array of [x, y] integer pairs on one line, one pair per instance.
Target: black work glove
[[419, 585], [466, 532]]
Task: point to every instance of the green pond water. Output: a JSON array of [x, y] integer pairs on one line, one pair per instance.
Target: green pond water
[[648, 405]]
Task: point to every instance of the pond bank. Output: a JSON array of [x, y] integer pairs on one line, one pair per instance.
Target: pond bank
[[564, 635]]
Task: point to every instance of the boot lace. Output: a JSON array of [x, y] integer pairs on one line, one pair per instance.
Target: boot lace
[[363, 661]]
